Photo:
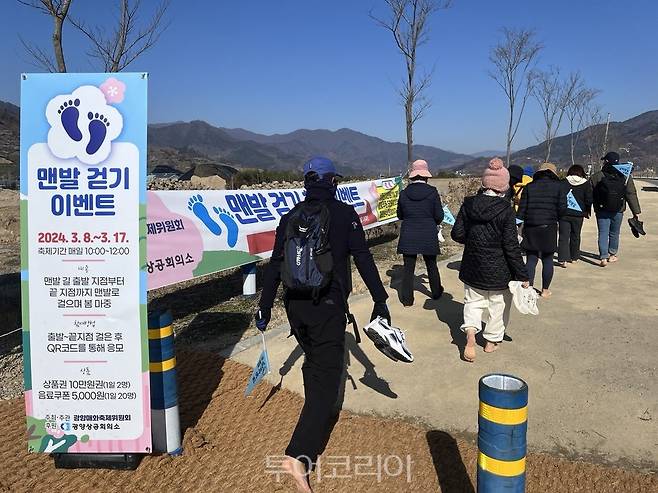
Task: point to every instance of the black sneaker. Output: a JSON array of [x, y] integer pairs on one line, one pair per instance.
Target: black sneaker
[[637, 227]]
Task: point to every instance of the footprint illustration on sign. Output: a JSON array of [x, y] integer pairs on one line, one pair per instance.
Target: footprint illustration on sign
[[196, 205], [69, 117], [82, 125], [98, 125], [232, 229]]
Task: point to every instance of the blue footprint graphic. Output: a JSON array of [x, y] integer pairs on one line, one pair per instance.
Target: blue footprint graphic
[[69, 116], [97, 130], [231, 226], [195, 204]]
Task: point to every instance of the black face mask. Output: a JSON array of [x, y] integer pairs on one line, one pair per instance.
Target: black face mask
[[323, 189]]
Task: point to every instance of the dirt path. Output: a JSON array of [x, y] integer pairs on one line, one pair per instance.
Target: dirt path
[[228, 438]]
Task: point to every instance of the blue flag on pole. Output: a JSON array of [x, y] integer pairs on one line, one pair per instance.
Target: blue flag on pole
[[262, 368], [624, 168], [572, 203], [448, 218]]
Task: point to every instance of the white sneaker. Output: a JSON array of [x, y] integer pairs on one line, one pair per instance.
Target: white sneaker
[[389, 340]]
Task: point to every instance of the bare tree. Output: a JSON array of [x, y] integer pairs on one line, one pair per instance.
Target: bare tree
[[127, 41], [576, 112], [58, 10], [553, 95], [594, 132], [408, 25], [514, 58]]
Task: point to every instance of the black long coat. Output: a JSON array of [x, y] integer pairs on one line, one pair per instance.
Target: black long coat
[[543, 201], [542, 204], [420, 209]]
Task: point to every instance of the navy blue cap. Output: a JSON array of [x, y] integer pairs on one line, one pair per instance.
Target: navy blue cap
[[321, 165], [611, 157]]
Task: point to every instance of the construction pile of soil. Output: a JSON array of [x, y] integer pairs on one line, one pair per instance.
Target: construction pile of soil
[[229, 439], [9, 217]]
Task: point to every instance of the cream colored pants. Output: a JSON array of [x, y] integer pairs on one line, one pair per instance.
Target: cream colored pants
[[489, 307]]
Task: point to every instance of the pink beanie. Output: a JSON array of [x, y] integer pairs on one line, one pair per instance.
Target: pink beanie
[[496, 176]]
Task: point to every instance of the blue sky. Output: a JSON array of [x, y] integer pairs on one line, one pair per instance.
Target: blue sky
[[275, 66]]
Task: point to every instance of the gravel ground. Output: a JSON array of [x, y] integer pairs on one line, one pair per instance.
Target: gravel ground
[[11, 374]]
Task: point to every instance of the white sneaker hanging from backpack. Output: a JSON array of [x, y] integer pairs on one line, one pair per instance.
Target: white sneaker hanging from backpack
[[389, 340]]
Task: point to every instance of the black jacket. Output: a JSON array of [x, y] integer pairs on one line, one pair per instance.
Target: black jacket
[[346, 238], [583, 195], [543, 200], [492, 255], [420, 209]]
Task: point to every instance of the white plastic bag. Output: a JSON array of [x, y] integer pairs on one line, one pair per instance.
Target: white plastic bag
[[525, 299], [441, 238]]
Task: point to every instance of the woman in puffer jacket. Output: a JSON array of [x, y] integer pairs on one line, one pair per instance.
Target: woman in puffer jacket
[[492, 258], [579, 206], [421, 211]]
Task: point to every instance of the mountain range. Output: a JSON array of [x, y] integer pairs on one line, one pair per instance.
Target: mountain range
[[181, 144], [9, 145], [635, 139], [352, 151]]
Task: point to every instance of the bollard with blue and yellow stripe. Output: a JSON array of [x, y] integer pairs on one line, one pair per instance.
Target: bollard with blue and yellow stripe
[[502, 427], [165, 421]]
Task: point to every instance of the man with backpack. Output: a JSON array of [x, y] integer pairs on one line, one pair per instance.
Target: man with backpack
[[311, 257], [612, 191]]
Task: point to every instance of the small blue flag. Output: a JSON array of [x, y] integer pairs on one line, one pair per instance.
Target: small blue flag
[[519, 221], [448, 218], [262, 368], [572, 203], [624, 168]]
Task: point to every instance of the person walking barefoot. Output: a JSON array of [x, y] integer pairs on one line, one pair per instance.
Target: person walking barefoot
[[486, 226], [579, 189], [612, 192], [543, 202], [318, 314], [297, 469]]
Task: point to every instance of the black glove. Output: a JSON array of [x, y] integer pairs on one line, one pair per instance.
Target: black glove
[[262, 317], [380, 310]]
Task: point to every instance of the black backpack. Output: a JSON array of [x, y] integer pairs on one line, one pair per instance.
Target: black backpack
[[307, 261], [610, 192]]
